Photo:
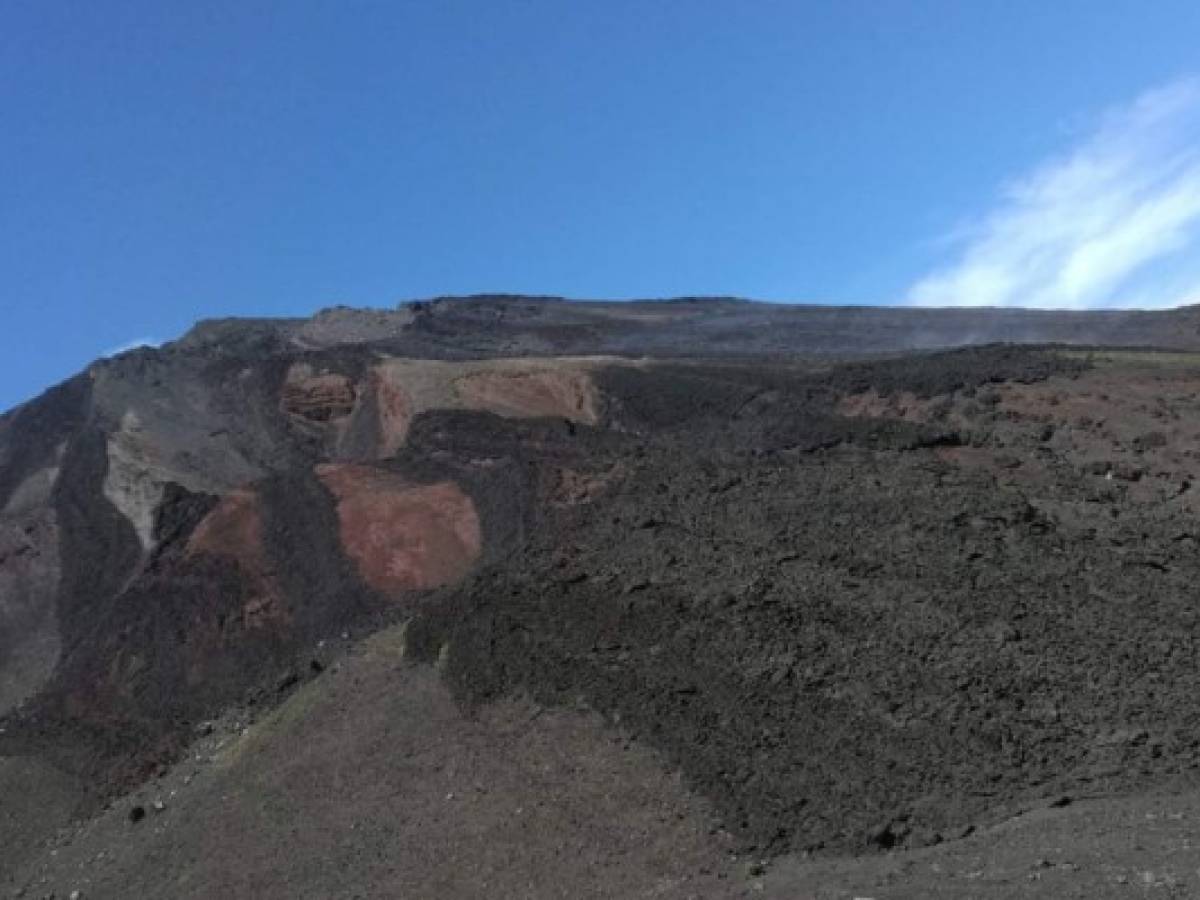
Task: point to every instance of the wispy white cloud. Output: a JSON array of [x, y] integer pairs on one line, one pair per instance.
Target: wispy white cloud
[[1110, 223], [132, 345]]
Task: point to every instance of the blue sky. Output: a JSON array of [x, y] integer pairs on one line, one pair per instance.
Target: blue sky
[[163, 162]]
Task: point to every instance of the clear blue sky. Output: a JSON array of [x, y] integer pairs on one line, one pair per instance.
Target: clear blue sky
[[163, 162]]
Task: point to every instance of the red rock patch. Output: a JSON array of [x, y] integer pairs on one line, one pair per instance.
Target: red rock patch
[[234, 530], [403, 536]]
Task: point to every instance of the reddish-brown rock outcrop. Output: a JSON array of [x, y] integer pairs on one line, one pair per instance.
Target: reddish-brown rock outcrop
[[234, 530], [403, 536], [562, 392], [318, 398]]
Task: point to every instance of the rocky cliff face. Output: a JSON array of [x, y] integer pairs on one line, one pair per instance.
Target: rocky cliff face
[[857, 602], [179, 523]]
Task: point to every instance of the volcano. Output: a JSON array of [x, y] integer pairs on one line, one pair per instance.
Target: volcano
[[521, 596]]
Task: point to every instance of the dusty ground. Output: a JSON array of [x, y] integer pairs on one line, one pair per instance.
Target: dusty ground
[[370, 781], [1109, 849]]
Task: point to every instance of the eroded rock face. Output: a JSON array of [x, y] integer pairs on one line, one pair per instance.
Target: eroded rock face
[[403, 536], [234, 531], [515, 388], [395, 412], [565, 393], [370, 417], [317, 397], [130, 483], [29, 638]]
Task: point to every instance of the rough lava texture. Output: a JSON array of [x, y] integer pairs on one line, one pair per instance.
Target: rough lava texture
[[833, 592]]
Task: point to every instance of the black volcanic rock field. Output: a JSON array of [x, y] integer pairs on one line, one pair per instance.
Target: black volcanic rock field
[[510, 596]]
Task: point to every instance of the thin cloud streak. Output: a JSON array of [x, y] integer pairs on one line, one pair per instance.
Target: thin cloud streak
[[1105, 225]]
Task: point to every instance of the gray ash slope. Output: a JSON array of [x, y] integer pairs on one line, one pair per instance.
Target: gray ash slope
[[859, 604]]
